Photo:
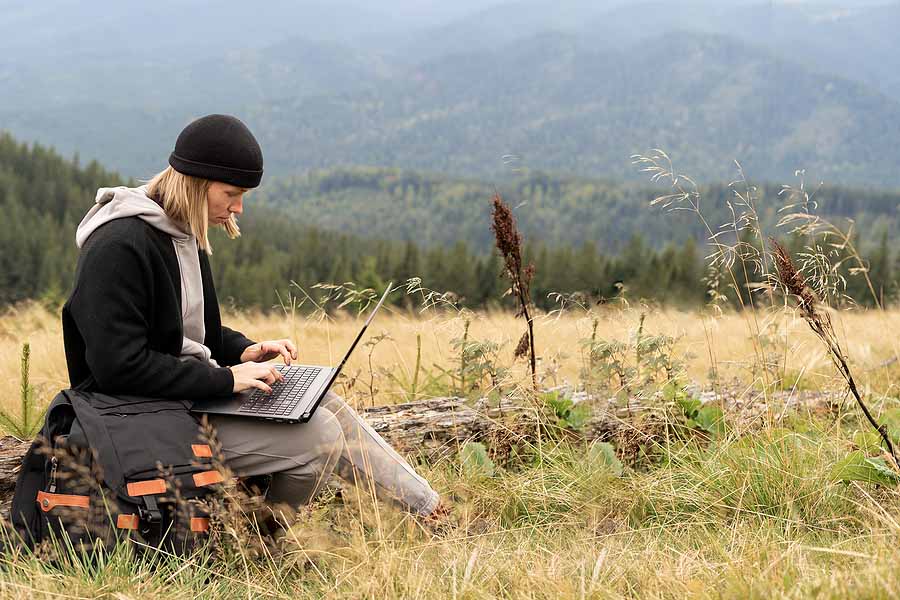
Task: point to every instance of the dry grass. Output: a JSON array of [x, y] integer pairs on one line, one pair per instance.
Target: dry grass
[[704, 341], [750, 516]]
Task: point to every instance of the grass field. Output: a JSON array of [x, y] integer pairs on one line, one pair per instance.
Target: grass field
[[749, 512], [732, 343]]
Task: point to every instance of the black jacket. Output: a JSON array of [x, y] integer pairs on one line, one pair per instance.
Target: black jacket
[[122, 322]]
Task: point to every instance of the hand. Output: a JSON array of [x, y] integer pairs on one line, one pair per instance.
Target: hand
[[253, 375], [264, 351]]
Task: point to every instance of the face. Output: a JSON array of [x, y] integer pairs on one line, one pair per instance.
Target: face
[[224, 200]]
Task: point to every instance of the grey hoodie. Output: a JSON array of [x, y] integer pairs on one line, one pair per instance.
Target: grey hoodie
[[120, 202]]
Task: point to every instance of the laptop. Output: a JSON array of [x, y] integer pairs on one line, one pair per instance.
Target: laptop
[[293, 400]]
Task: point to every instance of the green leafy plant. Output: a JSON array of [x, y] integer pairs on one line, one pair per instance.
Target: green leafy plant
[[478, 360], [474, 460], [859, 467], [639, 366], [564, 412], [28, 422], [604, 455], [692, 413]]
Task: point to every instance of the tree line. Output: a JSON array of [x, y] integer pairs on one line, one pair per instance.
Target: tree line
[[559, 210], [43, 197]]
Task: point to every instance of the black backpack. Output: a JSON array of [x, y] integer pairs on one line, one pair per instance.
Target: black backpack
[[106, 468]]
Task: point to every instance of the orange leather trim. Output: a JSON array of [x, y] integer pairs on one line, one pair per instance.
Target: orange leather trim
[[127, 522], [207, 478], [199, 524], [144, 488], [201, 450], [48, 501]]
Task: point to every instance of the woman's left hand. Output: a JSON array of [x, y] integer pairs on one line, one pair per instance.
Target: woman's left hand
[[264, 351]]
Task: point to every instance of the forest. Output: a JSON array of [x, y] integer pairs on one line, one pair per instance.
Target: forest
[[590, 237]]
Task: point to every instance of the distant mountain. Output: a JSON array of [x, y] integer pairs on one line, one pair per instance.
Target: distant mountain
[[494, 27], [570, 85], [859, 42], [557, 103], [553, 102], [125, 64]]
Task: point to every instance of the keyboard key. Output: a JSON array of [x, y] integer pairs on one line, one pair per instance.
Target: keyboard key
[[285, 394]]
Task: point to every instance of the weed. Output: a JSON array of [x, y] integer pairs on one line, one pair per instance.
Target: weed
[[639, 367], [692, 414], [29, 420], [794, 284], [563, 412], [509, 243], [370, 344]]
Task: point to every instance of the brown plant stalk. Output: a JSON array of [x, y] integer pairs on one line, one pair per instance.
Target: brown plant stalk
[[509, 243], [794, 284]]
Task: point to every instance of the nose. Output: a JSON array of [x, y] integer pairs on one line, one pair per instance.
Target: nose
[[238, 206]]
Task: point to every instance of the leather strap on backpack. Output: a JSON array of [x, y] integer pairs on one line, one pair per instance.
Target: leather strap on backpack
[[48, 501], [128, 521], [206, 478], [143, 488]]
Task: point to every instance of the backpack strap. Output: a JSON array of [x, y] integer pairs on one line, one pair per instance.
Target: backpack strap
[[101, 443], [150, 511], [147, 491]]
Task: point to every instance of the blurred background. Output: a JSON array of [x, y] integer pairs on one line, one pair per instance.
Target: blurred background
[[393, 122]]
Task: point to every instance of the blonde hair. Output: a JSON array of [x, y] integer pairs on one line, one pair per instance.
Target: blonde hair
[[184, 198]]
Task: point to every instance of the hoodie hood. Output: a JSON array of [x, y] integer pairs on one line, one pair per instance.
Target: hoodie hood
[[120, 202]]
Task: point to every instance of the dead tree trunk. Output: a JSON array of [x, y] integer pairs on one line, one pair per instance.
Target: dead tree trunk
[[437, 427]]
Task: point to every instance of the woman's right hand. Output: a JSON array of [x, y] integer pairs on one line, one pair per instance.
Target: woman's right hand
[[255, 375]]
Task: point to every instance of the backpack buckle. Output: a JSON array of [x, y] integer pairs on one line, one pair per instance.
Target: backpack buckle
[[151, 513]]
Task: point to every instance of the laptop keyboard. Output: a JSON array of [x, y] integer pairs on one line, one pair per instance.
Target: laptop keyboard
[[285, 394]]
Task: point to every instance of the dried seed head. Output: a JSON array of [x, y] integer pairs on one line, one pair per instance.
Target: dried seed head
[[509, 241], [792, 280], [522, 346], [529, 273]]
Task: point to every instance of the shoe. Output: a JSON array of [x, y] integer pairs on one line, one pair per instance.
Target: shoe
[[441, 521]]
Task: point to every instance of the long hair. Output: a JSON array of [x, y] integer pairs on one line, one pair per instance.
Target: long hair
[[183, 197]]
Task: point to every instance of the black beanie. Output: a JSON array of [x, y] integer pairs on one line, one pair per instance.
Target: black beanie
[[220, 148]]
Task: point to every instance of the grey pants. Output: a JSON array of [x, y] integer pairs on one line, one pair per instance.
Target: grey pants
[[302, 456]]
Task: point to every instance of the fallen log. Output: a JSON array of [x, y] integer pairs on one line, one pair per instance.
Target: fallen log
[[431, 428], [437, 427]]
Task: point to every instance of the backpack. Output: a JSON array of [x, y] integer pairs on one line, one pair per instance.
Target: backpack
[[107, 468]]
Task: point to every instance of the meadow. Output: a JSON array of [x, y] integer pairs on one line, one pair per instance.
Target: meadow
[[753, 508]]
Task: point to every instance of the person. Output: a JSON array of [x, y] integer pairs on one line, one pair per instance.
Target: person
[[143, 319]]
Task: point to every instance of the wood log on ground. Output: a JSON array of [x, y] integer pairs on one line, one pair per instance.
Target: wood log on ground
[[437, 427]]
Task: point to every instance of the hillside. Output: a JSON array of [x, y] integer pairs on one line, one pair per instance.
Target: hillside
[[556, 102], [855, 40], [564, 106], [43, 197], [556, 210]]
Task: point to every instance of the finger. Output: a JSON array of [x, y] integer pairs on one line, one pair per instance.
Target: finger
[[278, 374], [260, 385], [285, 353], [292, 348]]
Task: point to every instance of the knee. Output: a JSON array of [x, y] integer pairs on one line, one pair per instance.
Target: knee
[[325, 428], [332, 402]]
